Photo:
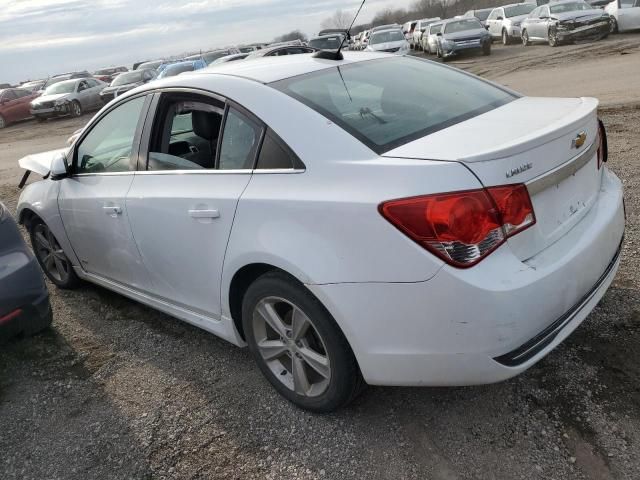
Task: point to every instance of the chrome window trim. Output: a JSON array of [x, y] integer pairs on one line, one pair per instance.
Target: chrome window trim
[[568, 168], [196, 172]]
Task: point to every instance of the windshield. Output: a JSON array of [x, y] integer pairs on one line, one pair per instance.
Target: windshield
[[211, 56], [462, 26], [386, 103], [330, 42], [384, 37], [515, 10], [130, 77], [152, 65], [569, 7], [174, 70], [62, 87]]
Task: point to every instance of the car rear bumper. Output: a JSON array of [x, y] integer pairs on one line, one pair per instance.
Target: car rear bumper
[[487, 323]]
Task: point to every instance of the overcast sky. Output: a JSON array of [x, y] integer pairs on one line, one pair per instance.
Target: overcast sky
[[45, 37]]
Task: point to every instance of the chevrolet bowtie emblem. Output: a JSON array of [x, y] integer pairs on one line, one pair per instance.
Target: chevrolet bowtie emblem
[[579, 140]]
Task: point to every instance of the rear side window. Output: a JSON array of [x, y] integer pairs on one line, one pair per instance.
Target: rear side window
[[388, 102], [274, 154]]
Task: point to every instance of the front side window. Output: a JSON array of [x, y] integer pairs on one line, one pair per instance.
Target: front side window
[[435, 29], [108, 146], [82, 86], [627, 3], [239, 142], [386, 103]]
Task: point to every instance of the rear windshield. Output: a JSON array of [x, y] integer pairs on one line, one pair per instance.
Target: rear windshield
[[327, 43], [386, 102], [385, 37]]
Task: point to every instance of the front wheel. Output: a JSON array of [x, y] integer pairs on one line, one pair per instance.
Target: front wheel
[[525, 38], [297, 344], [486, 49], [52, 259], [2, 122], [613, 25], [76, 108], [506, 39], [553, 38]]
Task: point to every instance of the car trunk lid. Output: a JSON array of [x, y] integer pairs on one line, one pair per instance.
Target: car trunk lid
[[548, 144]]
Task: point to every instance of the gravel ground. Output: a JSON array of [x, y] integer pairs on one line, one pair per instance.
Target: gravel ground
[[117, 390]]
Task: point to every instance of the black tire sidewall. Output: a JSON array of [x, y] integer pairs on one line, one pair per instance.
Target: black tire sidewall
[[345, 376], [72, 281], [75, 104]]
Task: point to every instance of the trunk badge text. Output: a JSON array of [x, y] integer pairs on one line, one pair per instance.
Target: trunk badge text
[[579, 140], [518, 170]]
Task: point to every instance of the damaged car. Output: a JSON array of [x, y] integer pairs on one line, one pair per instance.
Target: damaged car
[[69, 97], [125, 82], [565, 21]]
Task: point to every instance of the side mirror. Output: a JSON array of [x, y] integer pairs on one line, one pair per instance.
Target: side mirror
[[543, 17], [487, 27], [499, 18], [423, 30], [59, 167], [439, 34]]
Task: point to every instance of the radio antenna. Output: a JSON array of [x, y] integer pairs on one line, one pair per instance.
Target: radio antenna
[[337, 55]]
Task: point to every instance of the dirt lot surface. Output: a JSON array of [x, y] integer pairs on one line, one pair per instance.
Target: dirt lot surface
[[116, 390]]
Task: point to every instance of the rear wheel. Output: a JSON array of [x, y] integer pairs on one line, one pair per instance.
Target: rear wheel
[[51, 257], [525, 38], [40, 119], [2, 122], [297, 344]]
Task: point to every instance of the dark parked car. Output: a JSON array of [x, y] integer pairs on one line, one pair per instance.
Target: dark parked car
[[24, 300], [127, 81], [462, 35], [14, 105], [108, 74]]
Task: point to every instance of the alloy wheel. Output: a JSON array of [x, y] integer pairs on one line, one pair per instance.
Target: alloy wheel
[[76, 109], [2, 123], [50, 254], [553, 38], [505, 37], [613, 25], [291, 346]]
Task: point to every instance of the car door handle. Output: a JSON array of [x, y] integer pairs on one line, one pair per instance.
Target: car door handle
[[112, 210], [213, 213]]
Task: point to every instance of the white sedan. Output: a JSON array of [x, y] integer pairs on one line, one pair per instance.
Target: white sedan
[[345, 219]]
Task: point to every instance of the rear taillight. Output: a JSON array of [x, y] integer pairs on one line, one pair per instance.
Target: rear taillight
[[462, 227], [603, 148]]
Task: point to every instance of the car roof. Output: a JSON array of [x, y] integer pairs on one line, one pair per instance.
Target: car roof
[[272, 69]]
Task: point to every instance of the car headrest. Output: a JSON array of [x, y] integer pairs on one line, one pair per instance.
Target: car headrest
[[206, 124]]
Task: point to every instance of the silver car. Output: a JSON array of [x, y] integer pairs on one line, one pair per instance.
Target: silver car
[[504, 22], [70, 97], [565, 21], [430, 38]]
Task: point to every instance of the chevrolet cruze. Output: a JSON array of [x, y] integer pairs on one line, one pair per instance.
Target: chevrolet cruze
[[345, 219]]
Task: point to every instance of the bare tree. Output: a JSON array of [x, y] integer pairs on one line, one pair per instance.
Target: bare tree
[[294, 35], [339, 19]]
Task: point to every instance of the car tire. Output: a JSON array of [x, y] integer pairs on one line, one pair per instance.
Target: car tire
[[3, 123], [613, 25], [37, 326], [315, 368], [552, 38], [486, 49], [40, 119], [506, 39], [525, 38], [76, 109], [52, 259]]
